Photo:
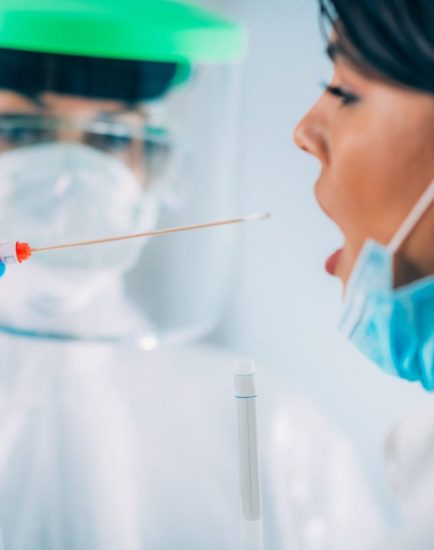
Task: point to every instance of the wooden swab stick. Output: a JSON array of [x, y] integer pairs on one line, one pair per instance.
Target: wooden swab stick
[[157, 233]]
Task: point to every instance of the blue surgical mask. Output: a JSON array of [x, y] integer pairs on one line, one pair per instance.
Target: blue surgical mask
[[393, 327]]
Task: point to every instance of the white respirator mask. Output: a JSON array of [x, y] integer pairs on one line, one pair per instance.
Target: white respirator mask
[[62, 192]]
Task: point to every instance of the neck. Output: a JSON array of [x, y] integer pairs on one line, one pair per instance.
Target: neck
[[415, 260]]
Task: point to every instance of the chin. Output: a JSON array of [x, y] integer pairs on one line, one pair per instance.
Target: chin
[[344, 267]]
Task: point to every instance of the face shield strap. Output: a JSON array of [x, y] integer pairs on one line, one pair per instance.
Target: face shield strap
[[412, 219]]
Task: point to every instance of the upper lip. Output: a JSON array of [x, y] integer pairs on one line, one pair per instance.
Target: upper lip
[[326, 211]]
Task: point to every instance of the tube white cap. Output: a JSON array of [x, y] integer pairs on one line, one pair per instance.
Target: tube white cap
[[245, 366], [244, 379]]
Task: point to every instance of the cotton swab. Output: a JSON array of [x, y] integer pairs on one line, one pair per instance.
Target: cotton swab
[[17, 252]]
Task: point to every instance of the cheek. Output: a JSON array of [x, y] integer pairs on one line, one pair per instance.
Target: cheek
[[367, 185]]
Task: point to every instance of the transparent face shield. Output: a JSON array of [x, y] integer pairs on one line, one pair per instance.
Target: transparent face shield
[[74, 167], [93, 148], [182, 283]]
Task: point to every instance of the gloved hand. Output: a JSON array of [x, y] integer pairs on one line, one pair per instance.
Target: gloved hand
[[2, 269]]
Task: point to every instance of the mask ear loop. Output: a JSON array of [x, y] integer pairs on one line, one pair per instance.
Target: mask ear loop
[[413, 218]]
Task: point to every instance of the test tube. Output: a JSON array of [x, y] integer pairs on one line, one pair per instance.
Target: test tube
[[245, 393]]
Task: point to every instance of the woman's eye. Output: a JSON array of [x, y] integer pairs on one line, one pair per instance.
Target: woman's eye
[[346, 98]]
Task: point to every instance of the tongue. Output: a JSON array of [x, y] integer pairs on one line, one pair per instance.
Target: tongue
[[331, 262]]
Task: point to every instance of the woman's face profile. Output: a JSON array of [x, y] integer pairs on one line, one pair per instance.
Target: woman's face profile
[[375, 143]]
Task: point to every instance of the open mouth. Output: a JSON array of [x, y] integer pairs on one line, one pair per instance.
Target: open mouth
[[332, 262]]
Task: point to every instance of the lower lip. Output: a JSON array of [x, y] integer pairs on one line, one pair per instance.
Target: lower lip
[[332, 262]]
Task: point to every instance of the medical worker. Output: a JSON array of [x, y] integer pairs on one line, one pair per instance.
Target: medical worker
[[373, 132], [102, 446]]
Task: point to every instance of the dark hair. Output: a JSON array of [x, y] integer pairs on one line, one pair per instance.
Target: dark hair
[[32, 73], [394, 39]]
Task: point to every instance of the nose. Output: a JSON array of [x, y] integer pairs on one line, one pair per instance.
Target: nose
[[310, 134], [70, 134]]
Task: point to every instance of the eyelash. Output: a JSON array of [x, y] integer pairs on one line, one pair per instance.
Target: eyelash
[[346, 98]]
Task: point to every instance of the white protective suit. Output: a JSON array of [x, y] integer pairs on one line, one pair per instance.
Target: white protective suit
[[409, 464], [106, 446]]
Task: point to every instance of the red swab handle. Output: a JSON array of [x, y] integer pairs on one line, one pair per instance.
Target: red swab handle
[[24, 252]]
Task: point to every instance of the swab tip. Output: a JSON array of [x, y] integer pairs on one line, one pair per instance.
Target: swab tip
[[258, 216]]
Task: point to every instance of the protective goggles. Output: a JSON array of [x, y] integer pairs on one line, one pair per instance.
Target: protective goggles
[[146, 148]]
